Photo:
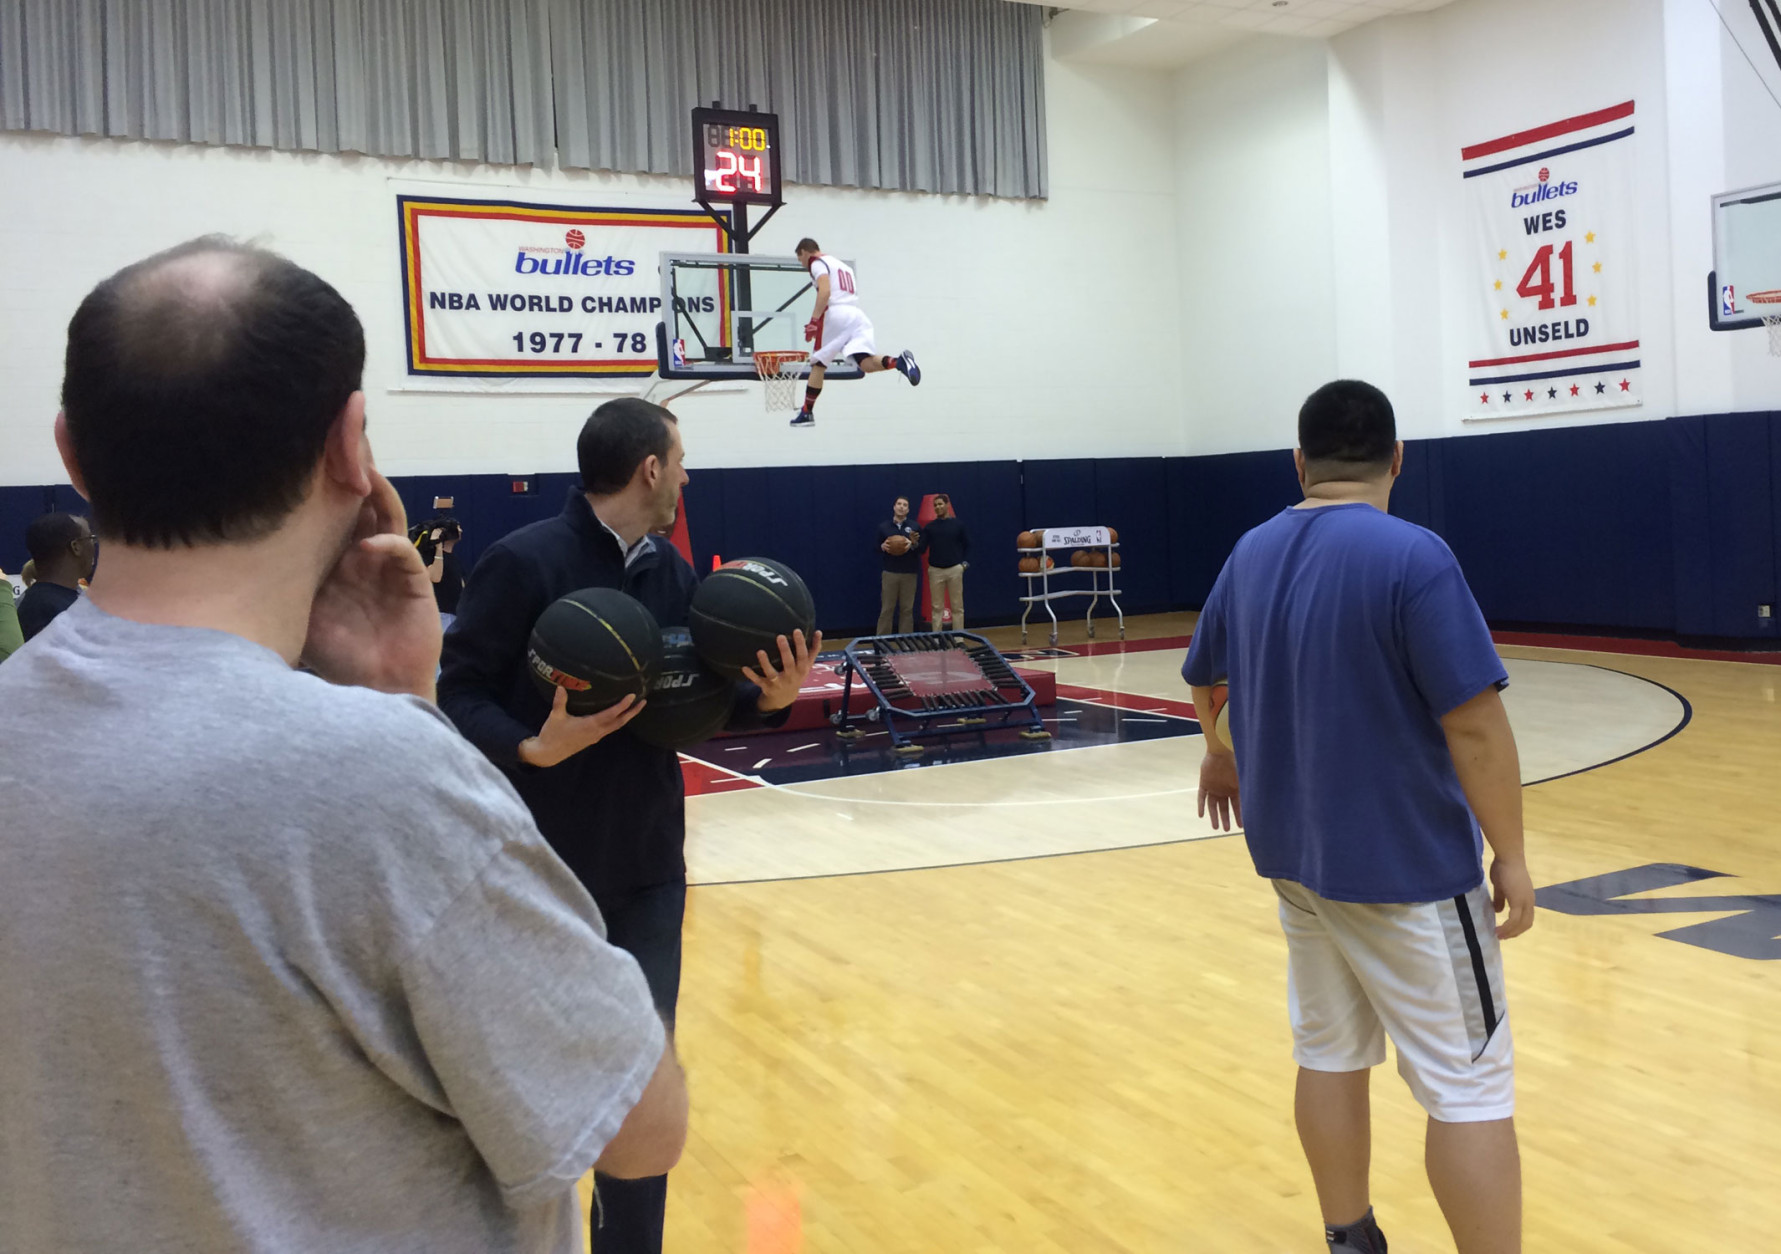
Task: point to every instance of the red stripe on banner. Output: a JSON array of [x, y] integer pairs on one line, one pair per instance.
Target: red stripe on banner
[[1563, 352], [1582, 122]]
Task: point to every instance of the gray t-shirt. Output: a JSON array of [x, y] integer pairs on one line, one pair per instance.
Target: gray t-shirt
[[285, 967]]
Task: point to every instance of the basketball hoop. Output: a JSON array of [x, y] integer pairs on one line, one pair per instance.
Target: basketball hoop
[[1771, 316], [780, 375]]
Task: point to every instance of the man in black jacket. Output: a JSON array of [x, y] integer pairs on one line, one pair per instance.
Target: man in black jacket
[[902, 571], [947, 547], [610, 805], [65, 552]]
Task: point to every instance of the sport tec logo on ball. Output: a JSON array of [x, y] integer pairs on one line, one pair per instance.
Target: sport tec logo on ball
[[743, 607], [689, 703]]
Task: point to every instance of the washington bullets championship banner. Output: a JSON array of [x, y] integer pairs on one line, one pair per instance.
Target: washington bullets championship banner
[[500, 290], [1552, 215]]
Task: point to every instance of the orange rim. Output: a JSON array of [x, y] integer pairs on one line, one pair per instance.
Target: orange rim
[[775, 361]]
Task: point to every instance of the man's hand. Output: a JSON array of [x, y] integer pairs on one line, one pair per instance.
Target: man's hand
[[810, 330], [1218, 786], [1512, 888], [779, 688], [374, 622], [564, 734]]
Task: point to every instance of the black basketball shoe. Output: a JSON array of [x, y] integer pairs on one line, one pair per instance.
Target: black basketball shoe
[[911, 371], [804, 418], [1363, 1237]]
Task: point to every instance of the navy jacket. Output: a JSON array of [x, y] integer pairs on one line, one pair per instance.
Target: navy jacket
[[946, 542], [908, 563], [615, 812]]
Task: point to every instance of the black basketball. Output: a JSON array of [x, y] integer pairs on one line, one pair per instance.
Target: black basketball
[[600, 644], [689, 703], [742, 607]]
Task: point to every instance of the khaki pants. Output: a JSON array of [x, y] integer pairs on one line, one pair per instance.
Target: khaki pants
[[896, 598], [941, 581]]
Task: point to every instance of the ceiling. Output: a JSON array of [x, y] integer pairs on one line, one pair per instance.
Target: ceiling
[[1167, 34]]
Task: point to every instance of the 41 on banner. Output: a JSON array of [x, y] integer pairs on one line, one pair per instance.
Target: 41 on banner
[[1551, 214]]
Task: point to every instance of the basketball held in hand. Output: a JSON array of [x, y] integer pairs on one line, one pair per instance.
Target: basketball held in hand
[[743, 607], [898, 545], [600, 644]]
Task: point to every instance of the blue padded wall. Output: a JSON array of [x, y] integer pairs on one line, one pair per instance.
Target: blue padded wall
[[1667, 526], [1567, 526]]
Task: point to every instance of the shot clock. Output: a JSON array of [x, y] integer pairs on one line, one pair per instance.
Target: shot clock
[[735, 157]]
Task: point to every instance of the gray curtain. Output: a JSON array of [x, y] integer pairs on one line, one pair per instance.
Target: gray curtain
[[467, 79], [917, 95]]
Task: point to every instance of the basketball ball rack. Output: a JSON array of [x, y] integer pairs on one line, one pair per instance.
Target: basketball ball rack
[[1053, 539], [939, 683]]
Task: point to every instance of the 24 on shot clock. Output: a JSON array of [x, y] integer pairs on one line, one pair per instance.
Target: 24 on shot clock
[[735, 157]]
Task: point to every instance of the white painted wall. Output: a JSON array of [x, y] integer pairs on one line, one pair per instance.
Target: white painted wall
[[1323, 219], [1046, 329], [1217, 243]]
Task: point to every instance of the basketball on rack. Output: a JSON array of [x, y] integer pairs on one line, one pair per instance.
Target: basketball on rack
[[1097, 558], [1028, 540], [1113, 535], [742, 607], [898, 545], [598, 643], [1116, 559], [1029, 565], [1079, 558]]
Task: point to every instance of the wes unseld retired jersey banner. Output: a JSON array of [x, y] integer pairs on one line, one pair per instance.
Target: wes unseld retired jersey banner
[[498, 289], [1552, 216]]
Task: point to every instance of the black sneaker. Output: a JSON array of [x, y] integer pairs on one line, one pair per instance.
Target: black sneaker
[[911, 371], [1357, 1238], [804, 419]]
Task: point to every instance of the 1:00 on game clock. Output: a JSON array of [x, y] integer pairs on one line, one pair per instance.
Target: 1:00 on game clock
[[735, 157]]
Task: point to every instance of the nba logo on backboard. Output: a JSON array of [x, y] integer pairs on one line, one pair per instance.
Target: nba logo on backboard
[[1728, 300], [677, 354]]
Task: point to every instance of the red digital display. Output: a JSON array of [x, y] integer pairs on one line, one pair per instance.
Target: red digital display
[[736, 156]]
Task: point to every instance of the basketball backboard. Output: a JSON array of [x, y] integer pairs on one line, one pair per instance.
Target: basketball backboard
[[1746, 255], [718, 308]]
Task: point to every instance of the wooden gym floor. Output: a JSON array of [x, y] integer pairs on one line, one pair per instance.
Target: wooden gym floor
[[1088, 1051]]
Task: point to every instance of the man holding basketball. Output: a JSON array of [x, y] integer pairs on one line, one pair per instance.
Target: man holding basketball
[[610, 804], [840, 328], [1373, 746], [901, 544]]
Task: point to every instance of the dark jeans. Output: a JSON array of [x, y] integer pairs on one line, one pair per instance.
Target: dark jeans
[[627, 1214]]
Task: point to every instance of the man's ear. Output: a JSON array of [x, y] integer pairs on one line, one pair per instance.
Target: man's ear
[[346, 458], [65, 446], [1298, 464], [1397, 460]]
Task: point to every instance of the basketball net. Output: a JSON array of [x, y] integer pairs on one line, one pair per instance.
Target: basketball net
[[780, 377], [1771, 316]]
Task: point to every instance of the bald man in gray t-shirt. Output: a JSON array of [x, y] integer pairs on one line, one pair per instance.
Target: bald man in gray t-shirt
[[285, 966]]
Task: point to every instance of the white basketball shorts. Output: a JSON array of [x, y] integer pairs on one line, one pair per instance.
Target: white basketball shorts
[[845, 330], [1429, 975]]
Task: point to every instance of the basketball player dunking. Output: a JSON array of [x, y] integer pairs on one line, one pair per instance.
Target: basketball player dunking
[[839, 328]]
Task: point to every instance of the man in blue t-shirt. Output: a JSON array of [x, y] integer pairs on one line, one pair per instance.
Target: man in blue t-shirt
[[1364, 709]]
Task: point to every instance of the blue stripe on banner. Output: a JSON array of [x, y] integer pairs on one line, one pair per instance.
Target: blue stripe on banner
[[1605, 368], [1550, 152]]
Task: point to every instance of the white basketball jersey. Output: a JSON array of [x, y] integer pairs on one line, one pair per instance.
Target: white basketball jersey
[[843, 290]]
